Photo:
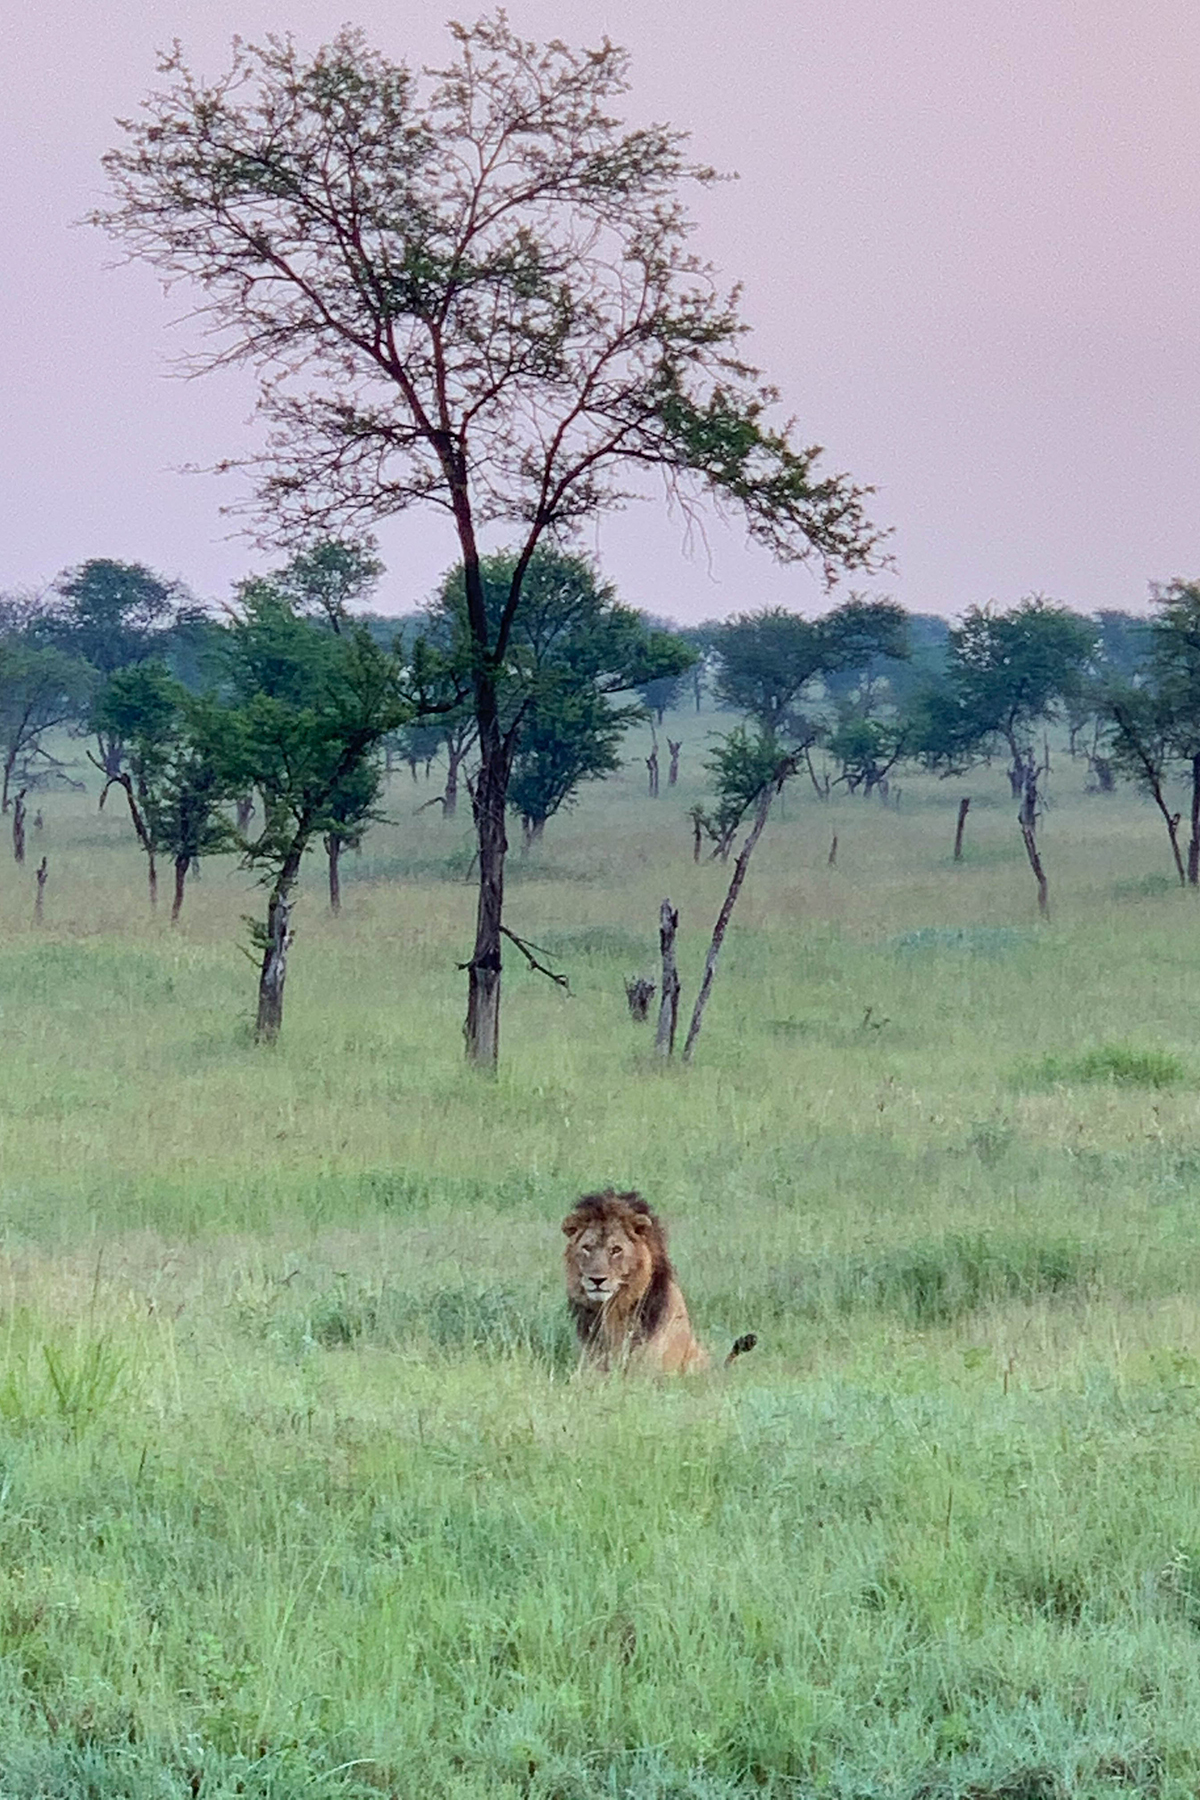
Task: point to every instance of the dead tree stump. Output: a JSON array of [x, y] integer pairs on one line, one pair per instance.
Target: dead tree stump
[[1027, 820], [673, 771], [39, 897], [668, 1010], [639, 993], [18, 827], [652, 773], [964, 807]]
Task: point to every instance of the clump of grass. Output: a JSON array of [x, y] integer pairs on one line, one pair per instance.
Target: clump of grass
[[456, 1321], [936, 1283], [1122, 1065]]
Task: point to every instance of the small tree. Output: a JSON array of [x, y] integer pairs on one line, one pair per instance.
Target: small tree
[[574, 646], [746, 773], [1011, 671], [42, 689], [308, 706], [110, 615], [174, 783]]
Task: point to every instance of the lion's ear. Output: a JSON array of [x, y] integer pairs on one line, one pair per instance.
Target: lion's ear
[[572, 1224]]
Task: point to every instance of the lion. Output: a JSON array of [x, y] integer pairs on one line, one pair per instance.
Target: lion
[[628, 1309]]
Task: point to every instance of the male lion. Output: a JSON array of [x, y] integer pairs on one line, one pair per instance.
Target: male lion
[[626, 1303]]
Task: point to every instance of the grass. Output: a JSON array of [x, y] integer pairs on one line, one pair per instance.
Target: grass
[[299, 1493]]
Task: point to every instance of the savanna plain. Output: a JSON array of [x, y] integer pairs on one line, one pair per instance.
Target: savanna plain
[[300, 1491]]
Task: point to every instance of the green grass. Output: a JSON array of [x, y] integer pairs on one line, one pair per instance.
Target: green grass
[[299, 1490]]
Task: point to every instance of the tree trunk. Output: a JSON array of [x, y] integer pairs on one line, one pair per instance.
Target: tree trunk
[[697, 834], [668, 1010], [673, 771], [450, 796], [182, 865], [831, 859], [1027, 820], [18, 827], [1193, 862], [652, 773], [333, 850], [41, 890], [718, 937], [274, 971], [483, 970], [245, 812], [964, 807]]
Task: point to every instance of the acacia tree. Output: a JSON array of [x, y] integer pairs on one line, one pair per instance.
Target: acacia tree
[[174, 782], [472, 290], [306, 708], [573, 646], [1157, 724]]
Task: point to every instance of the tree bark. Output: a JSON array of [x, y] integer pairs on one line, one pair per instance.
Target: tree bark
[[1027, 820], [718, 937], [39, 897], [18, 827], [673, 771], [483, 970], [1193, 862], [333, 850], [274, 971], [182, 865], [964, 807], [668, 1009]]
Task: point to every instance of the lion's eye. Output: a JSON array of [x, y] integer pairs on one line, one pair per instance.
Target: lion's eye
[[614, 1250]]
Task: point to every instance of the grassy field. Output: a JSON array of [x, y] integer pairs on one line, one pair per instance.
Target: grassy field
[[299, 1493]]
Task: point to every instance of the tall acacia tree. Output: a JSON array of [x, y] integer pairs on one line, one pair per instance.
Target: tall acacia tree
[[472, 290]]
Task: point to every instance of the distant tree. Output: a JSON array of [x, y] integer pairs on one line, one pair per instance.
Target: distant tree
[[868, 749], [491, 280], [307, 708], [1141, 746], [330, 577], [1011, 672], [352, 807], [573, 734], [174, 781], [42, 690], [572, 646], [703, 639], [1160, 725], [767, 662], [111, 615]]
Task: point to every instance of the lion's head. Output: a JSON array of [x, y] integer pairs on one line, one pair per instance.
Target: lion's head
[[616, 1255]]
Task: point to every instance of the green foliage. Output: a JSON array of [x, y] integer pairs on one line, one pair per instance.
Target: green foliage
[[741, 766], [307, 709], [42, 689], [111, 614], [176, 754], [1009, 671], [767, 660], [572, 645]]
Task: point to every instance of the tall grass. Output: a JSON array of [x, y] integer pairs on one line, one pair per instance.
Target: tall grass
[[299, 1490]]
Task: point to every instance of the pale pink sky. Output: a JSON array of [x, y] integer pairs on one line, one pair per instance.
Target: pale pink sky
[[969, 233]]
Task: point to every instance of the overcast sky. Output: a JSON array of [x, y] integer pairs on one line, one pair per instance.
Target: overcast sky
[[969, 237]]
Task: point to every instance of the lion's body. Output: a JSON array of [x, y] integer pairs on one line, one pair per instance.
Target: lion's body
[[628, 1308]]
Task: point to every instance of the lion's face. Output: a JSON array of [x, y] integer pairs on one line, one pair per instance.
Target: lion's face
[[607, 1257]]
